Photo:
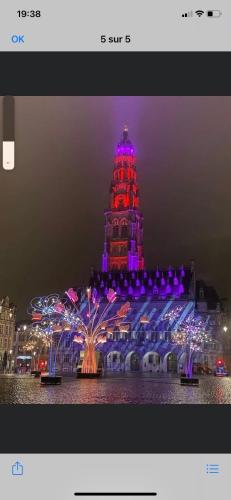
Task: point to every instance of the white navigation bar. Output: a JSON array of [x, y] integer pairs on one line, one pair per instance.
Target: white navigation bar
[[164, 477], [106, 25]]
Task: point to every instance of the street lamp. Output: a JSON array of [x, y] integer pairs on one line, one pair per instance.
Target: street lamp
[[34, 353], [10, 361], [225, 328]]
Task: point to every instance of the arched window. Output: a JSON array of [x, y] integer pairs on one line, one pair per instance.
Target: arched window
[[121, 174], [123, 250], [115, 175], [124, 228], [115, 231]]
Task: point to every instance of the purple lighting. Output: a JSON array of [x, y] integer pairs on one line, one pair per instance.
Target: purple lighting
[[124, 151], [145, 283]]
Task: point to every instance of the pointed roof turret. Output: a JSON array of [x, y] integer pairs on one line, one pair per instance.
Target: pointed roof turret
[[125, 133], [125, 146]]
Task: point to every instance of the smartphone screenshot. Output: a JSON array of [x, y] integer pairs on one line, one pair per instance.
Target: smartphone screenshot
[[115, 285]]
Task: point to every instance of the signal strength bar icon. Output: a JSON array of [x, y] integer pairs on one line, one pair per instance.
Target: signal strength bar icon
[[187, 14]]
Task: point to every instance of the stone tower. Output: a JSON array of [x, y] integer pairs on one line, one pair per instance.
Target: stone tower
[[123, 241]]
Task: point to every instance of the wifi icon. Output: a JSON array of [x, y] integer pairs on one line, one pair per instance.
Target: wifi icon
[[199, 13]]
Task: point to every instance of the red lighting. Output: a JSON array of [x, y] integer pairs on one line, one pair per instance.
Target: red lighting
[[36, 317], [125, 160], [121, 201], [118, 243], [124, 205]]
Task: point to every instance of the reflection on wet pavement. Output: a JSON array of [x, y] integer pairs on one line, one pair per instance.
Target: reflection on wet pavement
[[15, 389]]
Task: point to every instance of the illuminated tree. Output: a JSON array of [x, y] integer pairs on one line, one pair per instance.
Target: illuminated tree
[[37, 341], [57, 314], [192, 337]]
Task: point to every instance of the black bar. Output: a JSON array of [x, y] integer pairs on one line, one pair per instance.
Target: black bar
[[166, 73], [8, 118], [118, 494], [131, 436]]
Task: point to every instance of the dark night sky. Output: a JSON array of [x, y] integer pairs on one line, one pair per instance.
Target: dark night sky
[[51, 206]]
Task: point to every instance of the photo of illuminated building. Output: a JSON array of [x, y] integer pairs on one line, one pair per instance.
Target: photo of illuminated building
[[169, 309], [141, 329]]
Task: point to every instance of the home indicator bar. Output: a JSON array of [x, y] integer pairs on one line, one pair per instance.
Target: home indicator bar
[[114, 494]]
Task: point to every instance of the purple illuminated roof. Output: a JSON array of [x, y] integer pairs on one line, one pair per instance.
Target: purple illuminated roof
[[125, 146], [158, 283]]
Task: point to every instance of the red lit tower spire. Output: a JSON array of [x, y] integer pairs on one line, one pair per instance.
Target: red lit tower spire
[[123, 242]]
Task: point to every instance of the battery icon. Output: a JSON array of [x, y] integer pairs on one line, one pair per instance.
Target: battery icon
[[214, 13]]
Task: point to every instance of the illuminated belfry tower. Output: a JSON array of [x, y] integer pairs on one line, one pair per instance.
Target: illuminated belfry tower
[[123, 241]]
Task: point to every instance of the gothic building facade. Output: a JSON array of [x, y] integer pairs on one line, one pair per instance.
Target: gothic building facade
[[163, 301], [7, 334]]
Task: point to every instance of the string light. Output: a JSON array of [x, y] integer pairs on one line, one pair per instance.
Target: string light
[[90, 324], [191, 338]]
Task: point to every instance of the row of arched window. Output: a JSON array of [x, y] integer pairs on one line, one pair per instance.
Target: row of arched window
[[120, 228], [124, 174]]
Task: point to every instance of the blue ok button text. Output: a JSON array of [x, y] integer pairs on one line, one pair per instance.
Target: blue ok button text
[[17, 39]]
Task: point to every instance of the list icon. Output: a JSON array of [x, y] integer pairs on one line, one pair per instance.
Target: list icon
[[212, 468]]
